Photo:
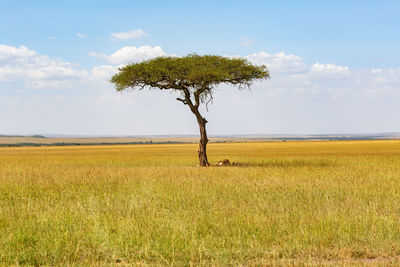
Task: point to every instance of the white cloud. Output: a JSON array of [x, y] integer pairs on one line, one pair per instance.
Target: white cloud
[[278, 62], [102, 73], [81, 35], [129, 54], [134, 34], [318, 67], [329, 71], [24, 64], [293, 79], [11, 52]]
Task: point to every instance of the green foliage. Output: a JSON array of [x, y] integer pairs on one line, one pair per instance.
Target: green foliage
[[196, 74]]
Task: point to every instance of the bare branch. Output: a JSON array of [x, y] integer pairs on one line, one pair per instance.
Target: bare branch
[[209, 100], [182, 100]]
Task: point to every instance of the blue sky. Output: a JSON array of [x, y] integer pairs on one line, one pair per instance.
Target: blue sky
[[334, 65]]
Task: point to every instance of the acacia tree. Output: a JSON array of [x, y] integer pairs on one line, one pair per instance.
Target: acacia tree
[[194, 77]]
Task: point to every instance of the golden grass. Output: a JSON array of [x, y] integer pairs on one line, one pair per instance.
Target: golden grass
[[319, 203]]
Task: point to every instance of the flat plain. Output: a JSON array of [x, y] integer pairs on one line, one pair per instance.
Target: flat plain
[[13, 140], [299, 203]]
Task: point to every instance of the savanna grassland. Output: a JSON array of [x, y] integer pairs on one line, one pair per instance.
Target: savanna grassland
[[319, 203]]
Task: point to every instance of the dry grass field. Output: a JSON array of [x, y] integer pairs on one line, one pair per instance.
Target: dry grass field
[[300, 203]]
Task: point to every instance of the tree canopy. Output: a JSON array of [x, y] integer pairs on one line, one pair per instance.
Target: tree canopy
[[198, 74]]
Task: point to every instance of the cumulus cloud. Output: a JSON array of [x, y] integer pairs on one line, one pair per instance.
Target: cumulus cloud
[[278, 62], [329, 71], [129, 54], [102, 73], [11, 52], [23, 64], [133, 34], [292, 78]]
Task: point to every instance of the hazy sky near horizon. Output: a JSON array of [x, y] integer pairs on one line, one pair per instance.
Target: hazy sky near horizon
[[335, 65]]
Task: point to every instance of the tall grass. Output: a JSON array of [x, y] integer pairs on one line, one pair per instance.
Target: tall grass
[[286, 203]]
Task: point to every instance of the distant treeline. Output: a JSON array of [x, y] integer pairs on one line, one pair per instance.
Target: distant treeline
[[89, 144], [33, 136], [337, 138]]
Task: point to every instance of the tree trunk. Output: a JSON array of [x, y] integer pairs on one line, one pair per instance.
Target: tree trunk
[[203, 161]]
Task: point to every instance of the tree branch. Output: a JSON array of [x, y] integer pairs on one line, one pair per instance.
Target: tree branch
[[198, 92], [197, 99], [182, 100], [187, 97], [209, 100]]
